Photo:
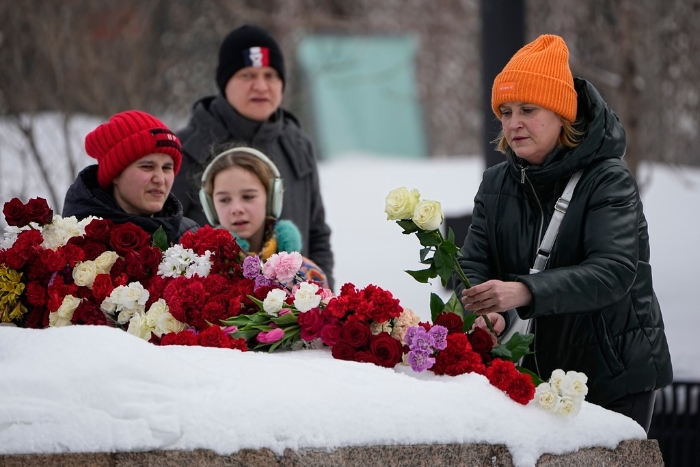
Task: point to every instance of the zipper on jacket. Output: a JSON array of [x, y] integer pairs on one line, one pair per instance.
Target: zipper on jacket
[[533, 326]]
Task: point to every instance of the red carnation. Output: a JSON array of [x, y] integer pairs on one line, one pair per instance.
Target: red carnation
[[36, 294], [89, 313], [15, 213], [521, 389], [501, 372], [53, 260], [386, 349], [102, 287], [127, 237], [451, 321], [73, 254], [38, 211], [186, 337], [37, 318], [356, 333], [458, 358]]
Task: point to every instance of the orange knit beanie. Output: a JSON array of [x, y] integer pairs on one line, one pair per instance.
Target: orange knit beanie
[[538, 74]]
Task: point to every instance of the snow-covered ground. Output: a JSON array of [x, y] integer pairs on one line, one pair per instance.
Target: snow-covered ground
[[99, 389]]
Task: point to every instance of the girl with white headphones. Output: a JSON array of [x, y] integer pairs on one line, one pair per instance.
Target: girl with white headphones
[[241, 191]]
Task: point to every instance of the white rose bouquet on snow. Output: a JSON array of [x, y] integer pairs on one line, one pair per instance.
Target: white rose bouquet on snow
[[563, 394]]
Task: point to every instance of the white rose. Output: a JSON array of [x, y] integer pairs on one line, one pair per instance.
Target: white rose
[[305, 298], [546, 397], [64, 314], [158, 308], [167, 323], [401, 203], [105, 261], [574, 384], [428, 215], [138, 326], [84, 273], [274, 301]]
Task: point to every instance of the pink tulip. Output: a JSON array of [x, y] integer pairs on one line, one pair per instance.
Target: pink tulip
[[271, 336]]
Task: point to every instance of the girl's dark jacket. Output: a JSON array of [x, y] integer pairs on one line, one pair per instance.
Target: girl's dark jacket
[[594, 309], [85, 198], [215, 121]]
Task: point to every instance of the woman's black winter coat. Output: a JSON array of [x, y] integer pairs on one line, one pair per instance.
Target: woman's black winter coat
[[594, 309], [85, 198]]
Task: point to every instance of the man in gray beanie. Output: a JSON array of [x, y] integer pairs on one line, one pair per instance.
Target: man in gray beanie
[[250, 77]]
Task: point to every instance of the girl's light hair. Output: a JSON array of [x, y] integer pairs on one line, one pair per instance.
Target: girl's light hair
[[569, 136], [238, 159]]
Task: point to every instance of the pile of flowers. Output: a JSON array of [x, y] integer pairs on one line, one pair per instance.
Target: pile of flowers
[[205, 291]]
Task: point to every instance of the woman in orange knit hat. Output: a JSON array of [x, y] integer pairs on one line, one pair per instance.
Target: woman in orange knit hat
[[137, 159], [558, 243]]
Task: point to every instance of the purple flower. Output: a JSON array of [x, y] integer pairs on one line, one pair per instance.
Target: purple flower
[[419, 339], [420, 360], [262, 281], [251, 267], [439, 335]]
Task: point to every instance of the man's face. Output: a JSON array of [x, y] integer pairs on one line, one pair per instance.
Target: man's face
[[255, 92]]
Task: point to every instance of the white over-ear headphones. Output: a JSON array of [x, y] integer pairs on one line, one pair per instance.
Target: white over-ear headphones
[[274, 196]]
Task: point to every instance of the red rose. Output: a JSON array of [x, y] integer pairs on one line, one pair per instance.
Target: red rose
[[102, 287], [311, 323], [99, 230], [93, 249], [386, 349], [134, 267], [356, 333], [151, 258], [451, 321], [330, 334], [15, 213], [363, 356], [89, 313], [37, 318], [481, 340], [127, 237], [521, 389], [39, 211], [343, 351]]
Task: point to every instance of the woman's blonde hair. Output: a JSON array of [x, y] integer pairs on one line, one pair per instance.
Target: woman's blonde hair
[[569, 136]]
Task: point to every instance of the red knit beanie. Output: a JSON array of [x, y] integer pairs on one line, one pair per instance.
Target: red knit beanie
[[127, 137]]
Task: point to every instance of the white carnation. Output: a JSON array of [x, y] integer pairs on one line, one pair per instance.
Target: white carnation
[[138, 326], [305, 298], [274, 301], [574, 384]]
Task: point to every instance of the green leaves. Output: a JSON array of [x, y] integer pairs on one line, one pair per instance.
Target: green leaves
[[517, 347], [160, 239]]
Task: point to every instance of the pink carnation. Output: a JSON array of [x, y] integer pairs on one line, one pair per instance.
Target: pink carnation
[[282, 266]]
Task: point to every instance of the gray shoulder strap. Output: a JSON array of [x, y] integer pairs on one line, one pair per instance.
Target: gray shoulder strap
[[550, 235]]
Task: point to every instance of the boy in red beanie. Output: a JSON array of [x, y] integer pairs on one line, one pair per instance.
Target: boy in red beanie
[[137, 160]]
